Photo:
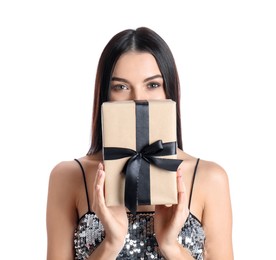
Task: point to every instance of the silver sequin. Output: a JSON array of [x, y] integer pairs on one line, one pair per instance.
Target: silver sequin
[[140, 242]]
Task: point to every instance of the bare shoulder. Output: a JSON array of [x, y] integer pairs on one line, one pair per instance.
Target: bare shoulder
[[67, 175], [212, 173], [214, 184], [64, 180], [69, 172], [64, 171], [210, 176]]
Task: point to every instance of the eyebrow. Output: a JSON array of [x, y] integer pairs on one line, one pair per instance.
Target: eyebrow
[[145, 80]]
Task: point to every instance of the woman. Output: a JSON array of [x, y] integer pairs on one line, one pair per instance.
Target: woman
[[137, 65]]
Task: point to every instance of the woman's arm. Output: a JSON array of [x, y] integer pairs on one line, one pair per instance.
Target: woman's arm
[[217, 214], [64, 185], [168, 223], [114, 220], [61, 212], [212, 184]]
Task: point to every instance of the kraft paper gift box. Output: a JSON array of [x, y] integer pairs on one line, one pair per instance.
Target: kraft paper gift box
[[139, 152]]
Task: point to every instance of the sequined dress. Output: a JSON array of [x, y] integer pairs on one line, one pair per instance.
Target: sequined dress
[[140, 242]]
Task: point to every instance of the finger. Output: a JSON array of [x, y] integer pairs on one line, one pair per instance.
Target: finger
[[100, 188], [97, 175], [181, 202], [180, 183], [96, 187], [101, 176], [181, 191], [100, 166], [181, 199]]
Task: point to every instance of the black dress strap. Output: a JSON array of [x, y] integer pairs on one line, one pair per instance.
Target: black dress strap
[[193, 181], [84, 179]]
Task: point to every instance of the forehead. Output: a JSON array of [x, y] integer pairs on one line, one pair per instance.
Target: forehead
[[131, 62]]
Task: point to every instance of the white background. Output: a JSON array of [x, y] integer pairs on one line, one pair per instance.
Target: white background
[[225, 52]]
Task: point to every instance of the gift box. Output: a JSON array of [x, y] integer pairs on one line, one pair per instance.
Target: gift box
[[139, 152]]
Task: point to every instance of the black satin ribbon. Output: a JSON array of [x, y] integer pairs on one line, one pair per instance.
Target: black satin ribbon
[[139, 162]]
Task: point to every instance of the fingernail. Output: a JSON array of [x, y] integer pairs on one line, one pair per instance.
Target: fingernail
[[100, 166]]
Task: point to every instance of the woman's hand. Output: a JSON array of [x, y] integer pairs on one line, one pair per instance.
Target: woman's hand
[[114, 219], [168, 221]]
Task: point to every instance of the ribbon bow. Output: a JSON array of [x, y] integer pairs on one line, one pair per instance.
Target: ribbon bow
[[138, 165]]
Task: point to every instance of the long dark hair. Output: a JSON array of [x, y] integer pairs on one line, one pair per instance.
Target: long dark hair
[[142, 40]]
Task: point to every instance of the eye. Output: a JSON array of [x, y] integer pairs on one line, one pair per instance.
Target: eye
[[119, 87], [153, 85]]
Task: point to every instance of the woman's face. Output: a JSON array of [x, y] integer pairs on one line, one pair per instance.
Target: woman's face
[[136, 76]]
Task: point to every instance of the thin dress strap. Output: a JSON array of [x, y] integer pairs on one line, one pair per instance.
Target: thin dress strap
[[84, 179], [193, 181]]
